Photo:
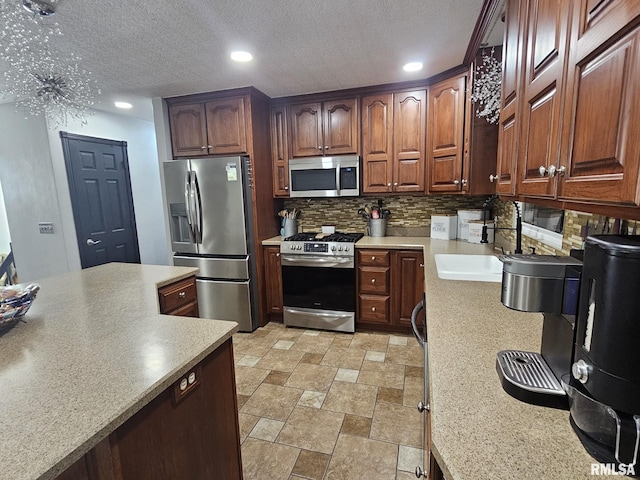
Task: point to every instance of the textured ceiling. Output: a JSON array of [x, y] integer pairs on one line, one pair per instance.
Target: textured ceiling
[[143, 49]]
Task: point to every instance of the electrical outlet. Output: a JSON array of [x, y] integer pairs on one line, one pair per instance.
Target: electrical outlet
[[45, 227]]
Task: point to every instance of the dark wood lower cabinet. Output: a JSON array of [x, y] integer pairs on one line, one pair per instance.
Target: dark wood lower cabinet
[[179, 298], [191, 433], [273, 285]]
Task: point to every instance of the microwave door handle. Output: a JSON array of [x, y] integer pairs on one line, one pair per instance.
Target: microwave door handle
[[338, 179]]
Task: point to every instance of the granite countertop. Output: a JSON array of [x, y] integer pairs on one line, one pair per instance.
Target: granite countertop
[[93, 351], [478, 430]]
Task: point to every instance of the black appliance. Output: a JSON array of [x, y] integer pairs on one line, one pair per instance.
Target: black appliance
[[319, 280], [604, 386]]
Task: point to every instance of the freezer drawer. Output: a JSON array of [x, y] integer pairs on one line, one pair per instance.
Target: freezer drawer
[[229, 268], [220, 300]]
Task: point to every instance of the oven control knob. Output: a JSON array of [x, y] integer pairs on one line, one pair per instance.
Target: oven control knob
[[333, 249], [339, 249], [346, 249]]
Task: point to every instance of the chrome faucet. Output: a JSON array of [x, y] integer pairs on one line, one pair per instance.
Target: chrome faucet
[[485, 228]]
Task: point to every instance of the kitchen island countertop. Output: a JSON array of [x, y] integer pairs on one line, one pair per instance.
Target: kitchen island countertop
[[93, 350], [478, 430]]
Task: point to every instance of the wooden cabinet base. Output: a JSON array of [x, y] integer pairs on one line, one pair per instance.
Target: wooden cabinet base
[[190, 432]]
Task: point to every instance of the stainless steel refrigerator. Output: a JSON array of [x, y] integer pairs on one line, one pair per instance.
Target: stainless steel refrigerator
[[210, 211]]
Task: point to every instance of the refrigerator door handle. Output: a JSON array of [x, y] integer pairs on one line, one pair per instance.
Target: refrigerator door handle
[[187, 201], [197, 200]]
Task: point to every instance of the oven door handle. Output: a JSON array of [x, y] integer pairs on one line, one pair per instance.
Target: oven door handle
[[318, 314], [315, 261]]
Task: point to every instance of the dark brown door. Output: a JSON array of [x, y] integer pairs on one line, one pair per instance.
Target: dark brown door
[[98, 174], [188, 130], [446, 125], [341, 127], [306, 130], [407, 283], [409, 130], [226, 130], [377, 143], [280, 151]]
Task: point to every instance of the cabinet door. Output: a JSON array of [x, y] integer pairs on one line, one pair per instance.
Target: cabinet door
[[273, 272], [341, 127], [601, 151], [445, 137], [377, 143], [280, 151], [541, 103], [407, 283], [306, 129], [409, 127], [226, 126], [188, 126]]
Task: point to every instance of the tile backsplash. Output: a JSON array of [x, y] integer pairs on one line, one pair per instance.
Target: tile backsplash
[[410, 215]]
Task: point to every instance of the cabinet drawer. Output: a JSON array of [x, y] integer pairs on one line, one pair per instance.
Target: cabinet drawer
[[374, 280], [375, 258], [374, 308], [188, 310], [177, 294]]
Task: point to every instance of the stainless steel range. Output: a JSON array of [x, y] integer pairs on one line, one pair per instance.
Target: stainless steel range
[[319, 280]]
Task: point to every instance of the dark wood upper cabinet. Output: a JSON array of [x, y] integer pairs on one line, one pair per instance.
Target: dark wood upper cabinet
[[505, 175], [409, 130], [445, 135], [601, 150], [324, 128], [280, 150], [216, 127], [188, 124], [544, 55], [226, 127], [377, 143]]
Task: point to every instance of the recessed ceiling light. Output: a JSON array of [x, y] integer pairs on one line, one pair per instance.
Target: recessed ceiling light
[[412, 67], [240, 56], [123, 105]]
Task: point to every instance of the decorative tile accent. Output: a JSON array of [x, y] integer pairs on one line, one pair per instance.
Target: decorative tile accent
[[262, 459], [283, 344], [277, 378], [267, 429], [347, 375], [357, 457], [358, 426], [409, 458], [395, 340], [390, 395], [312, 399], [311, 465], [248, 361], [314, 358], [374, 356]]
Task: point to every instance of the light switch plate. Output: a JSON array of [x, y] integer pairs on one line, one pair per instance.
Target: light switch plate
[[45, 227]]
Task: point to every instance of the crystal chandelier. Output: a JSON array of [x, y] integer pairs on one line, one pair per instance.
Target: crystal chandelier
[[40, 79], [486, 88]]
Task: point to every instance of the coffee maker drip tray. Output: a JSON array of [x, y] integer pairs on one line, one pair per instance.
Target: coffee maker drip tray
[[527, 377]]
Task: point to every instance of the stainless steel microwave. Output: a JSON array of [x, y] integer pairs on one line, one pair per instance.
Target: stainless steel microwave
[[324, 176]]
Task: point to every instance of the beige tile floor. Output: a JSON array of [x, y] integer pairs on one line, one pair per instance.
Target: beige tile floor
[[328, 406]]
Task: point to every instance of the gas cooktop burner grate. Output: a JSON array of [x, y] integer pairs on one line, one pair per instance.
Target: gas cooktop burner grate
[[324, 237]]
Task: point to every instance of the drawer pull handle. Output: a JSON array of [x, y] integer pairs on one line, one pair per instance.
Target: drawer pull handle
[[373, 281], [182, 294], [373, 309]]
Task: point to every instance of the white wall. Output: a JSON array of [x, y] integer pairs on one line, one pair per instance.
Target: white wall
[[34, 180], [30, 195], [5, 235]]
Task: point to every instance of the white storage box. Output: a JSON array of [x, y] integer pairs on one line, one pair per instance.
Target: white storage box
[[475, 231], [444, 227], [463, 221]]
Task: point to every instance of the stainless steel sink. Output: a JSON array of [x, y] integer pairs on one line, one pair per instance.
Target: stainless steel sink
[[472, 268]]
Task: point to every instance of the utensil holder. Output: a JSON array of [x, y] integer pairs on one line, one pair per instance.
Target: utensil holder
[[377, 227], [290, 227]]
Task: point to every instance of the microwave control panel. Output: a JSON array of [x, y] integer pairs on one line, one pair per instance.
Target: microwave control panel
[[348, 178]]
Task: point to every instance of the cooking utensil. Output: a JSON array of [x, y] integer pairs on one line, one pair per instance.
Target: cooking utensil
[[386, 213]]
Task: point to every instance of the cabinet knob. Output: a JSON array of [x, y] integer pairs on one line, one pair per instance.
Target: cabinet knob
[[562, 171], [182, 294], [388, 184], [395, 184], [456, 182], [319, 147], [204, 147], [420, 473], [326, 147], [542, 171], [373, 281], [209, 146], [493, 178], [286, 188], [373, 259], [552, 171], [373, 309], [277, 254], [422, 265], [464, 182]]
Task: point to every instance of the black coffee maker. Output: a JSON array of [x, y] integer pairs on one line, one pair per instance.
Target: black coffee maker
[[604, 384]]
